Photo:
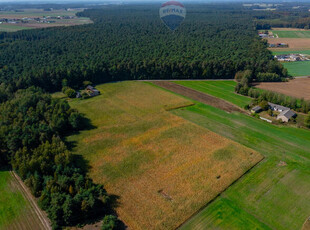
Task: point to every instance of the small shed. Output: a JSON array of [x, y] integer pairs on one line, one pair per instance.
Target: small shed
[[78, 95], [256, 109]]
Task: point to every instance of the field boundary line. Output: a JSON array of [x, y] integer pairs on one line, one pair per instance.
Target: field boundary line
[[218, 195], [42, 217], [200, 96]]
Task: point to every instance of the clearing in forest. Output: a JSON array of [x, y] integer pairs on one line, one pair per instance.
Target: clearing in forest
[[163, 168]]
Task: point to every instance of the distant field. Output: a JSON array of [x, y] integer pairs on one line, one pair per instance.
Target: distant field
[[163, 167], [275, 194], [11, 28], [15, 210], [31, 13], [296, 69], [299, 88], [294, 43], [221, 89], [36, 13], [279, 52], [292, 34]]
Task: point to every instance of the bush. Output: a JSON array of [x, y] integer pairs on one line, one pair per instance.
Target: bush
[[264, 105], [307, 121], [70, 93], [110, 222]]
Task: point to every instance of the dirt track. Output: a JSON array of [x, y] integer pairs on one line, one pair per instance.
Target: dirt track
[[299, 87], [37, 218], [198, 96]]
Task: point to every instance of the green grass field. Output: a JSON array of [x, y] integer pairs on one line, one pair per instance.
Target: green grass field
[[221, 89], [11, 28], [276, 196], [296, 69], [291, 52], [292, 34], [12, 203]]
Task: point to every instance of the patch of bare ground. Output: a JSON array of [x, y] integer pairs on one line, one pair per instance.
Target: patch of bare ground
[[198, 96], [299, 87], [306, 225], [294, 43]]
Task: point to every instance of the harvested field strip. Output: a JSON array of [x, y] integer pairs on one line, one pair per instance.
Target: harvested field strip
[[18, 210], [163, 167], [294, 43], [198, 96], [221, 89], [299, 88]]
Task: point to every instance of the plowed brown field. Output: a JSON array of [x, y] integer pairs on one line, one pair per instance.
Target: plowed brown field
[[299, 88]]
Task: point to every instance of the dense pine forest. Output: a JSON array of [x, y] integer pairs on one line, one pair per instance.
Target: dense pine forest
[[123, 43], [131, 42]]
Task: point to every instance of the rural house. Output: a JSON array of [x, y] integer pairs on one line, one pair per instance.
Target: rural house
[[287, 115], [92, 91], [278, 108]]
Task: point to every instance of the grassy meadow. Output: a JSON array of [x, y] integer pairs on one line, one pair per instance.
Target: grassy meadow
[[163, 167], [292, 34], [276, 192], [12, 28], [12, 203], [298, 69], [221, 89], [16, 211]]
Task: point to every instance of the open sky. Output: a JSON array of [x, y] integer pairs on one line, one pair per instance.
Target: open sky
[[62, 1]]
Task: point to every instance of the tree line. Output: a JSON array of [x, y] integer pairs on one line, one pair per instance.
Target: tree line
[[32, 128], [131, 43]]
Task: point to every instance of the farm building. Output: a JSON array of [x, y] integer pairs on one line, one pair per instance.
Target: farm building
[[256, 109], [279, 45], [278, 108], [287, 115], [92, 91], [292, 57]]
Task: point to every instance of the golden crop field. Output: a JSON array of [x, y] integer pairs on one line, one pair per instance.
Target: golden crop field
[[163, 168]]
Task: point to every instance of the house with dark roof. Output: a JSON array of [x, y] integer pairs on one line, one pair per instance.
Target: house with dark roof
[[278, 108], [287, 115]]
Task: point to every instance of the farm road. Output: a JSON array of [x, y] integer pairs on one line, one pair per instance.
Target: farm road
[[198, 96]]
